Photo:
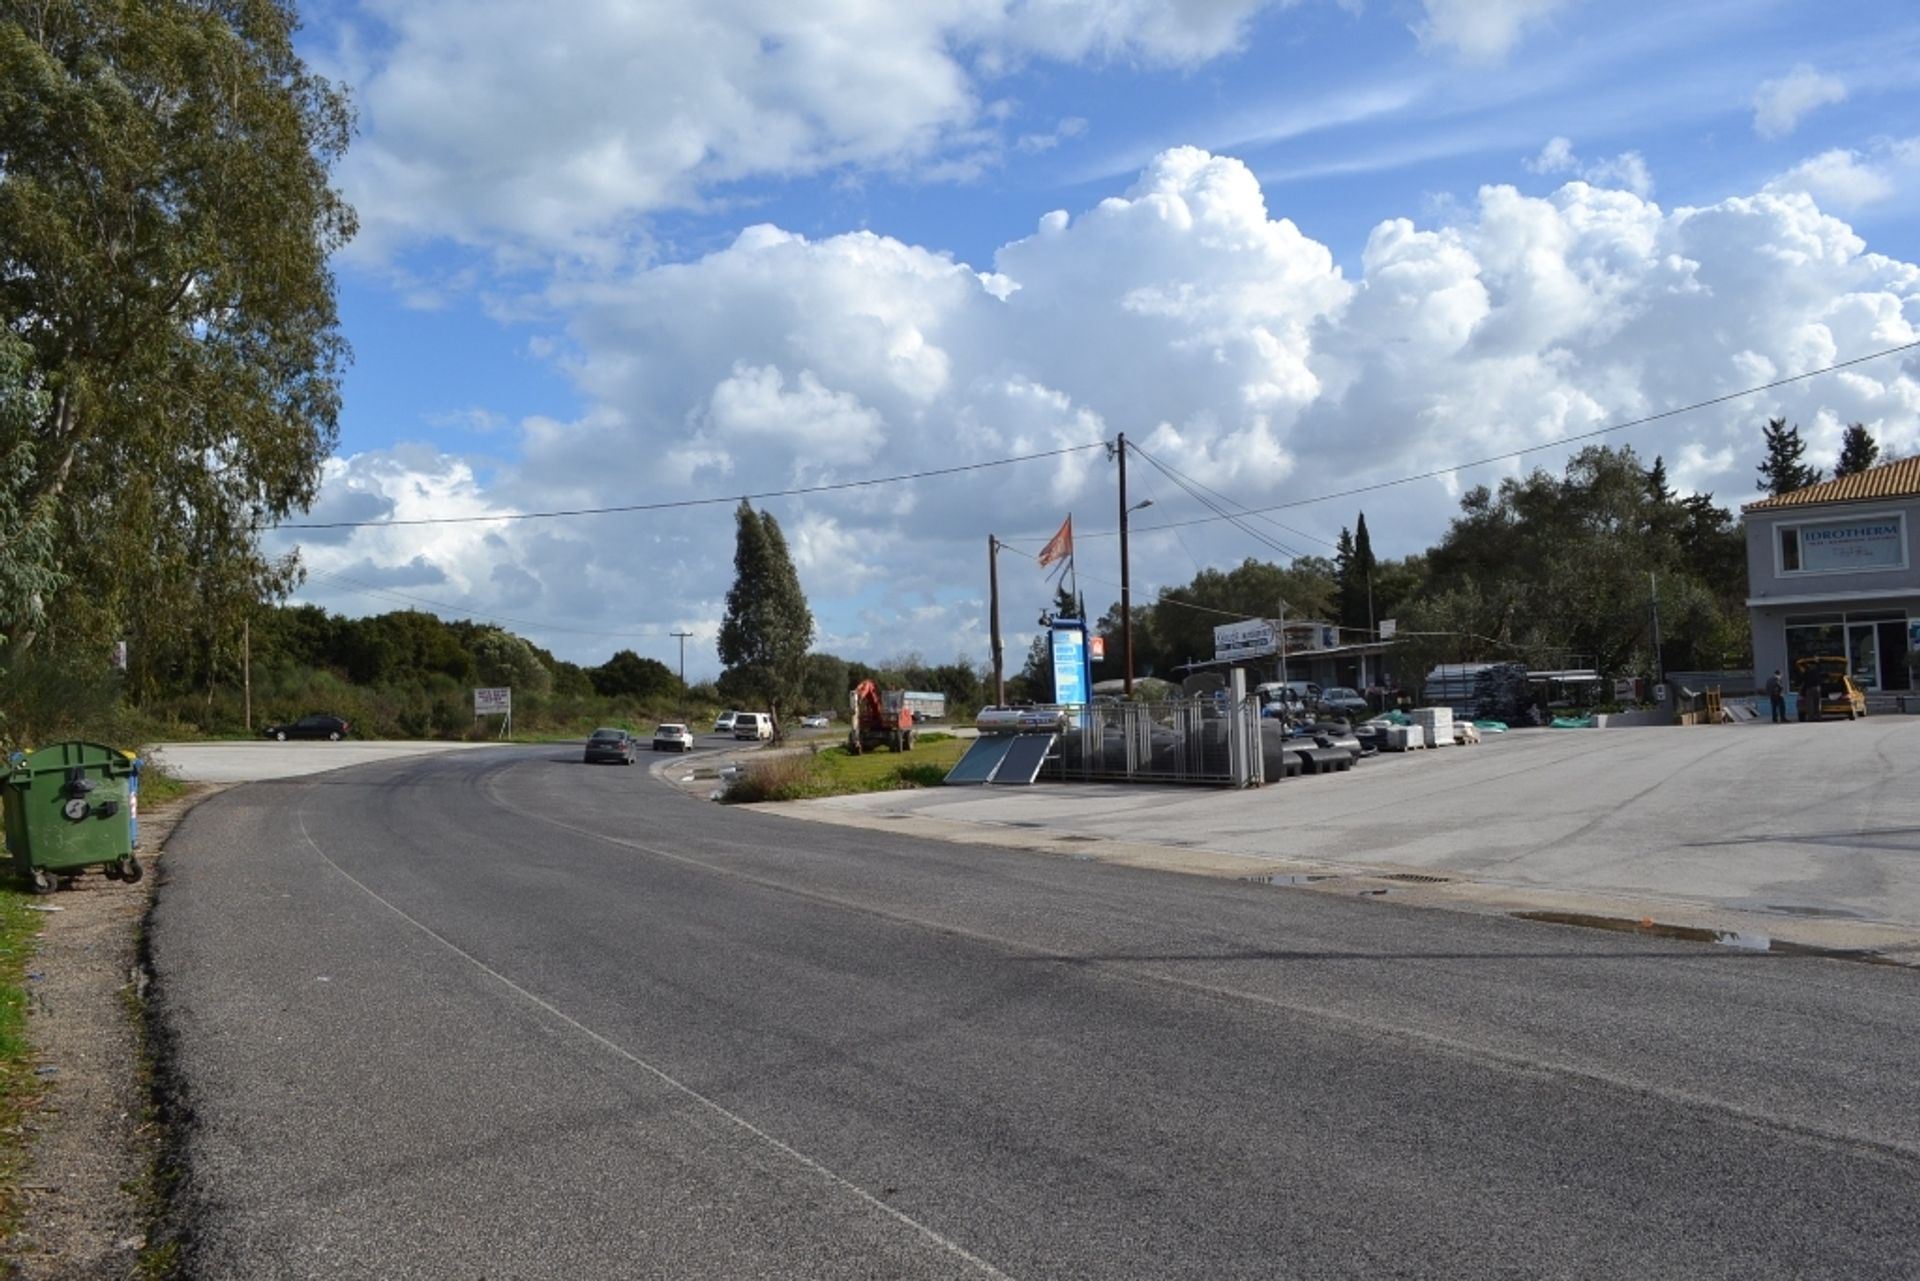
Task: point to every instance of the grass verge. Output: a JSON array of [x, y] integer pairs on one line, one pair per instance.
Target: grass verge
[[832, 771], [19, 1087]]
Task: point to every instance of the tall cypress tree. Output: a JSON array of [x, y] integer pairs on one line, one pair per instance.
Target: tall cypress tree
[[1657, 488], [1355, 568], [768, 626], [1858, 451], [1781, 471]]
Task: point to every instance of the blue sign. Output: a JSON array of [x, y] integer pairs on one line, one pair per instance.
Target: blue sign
[[1071, 683]]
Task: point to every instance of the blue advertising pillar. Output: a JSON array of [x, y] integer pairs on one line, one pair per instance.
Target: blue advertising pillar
[[1072, 681]]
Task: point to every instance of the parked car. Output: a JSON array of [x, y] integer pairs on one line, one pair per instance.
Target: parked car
[[673, 737], [819, 720], [614, 745], [1287, 698], [750, 726], [1343, 702], [1839, 694], [723, 723], [316, 726]]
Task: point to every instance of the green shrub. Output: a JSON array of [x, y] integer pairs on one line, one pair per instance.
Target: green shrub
[[777, 778]]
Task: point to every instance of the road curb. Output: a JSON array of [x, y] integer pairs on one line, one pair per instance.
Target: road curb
[[1881, 942]]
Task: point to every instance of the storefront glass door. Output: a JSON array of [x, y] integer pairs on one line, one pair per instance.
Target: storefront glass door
[[1895, 674], [1863, 655]]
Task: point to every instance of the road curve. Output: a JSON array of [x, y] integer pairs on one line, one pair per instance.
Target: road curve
[[502, 1015]]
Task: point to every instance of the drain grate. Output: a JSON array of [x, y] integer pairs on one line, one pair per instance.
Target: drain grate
[[1417, 878]]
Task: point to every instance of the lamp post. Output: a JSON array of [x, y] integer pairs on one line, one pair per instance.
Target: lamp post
[[1126, 576]]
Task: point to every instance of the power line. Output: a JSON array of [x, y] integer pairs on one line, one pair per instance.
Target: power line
[[678, 504], [1197, 491], [1517, 453], [1177, 476]]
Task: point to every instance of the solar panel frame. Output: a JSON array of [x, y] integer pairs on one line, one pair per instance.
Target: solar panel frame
[[1021, 765], [977, 766]]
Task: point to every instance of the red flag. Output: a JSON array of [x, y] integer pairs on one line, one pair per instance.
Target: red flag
[[1060, 546]]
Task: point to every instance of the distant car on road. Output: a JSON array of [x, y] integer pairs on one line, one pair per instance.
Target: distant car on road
[[331, 728], [723, 723], [614, 745], [673, 737], [1344, 702], [816, 721]]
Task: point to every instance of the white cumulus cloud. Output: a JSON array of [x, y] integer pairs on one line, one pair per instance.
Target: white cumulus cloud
[[1482, 30], [1186, 313], [1840, 179], [549, 127], [1628, 169], [1780, 104]]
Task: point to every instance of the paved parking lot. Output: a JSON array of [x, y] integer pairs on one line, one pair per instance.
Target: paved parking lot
[[1814, 829], [252, 762]]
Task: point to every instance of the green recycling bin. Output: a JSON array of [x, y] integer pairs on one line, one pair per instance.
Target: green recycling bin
[[70, 807]]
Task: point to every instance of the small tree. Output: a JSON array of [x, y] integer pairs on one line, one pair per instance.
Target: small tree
[[1781, 471], [768, 627], [1858, 451]]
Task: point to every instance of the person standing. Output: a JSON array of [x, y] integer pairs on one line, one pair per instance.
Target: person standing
[[1777, 697]]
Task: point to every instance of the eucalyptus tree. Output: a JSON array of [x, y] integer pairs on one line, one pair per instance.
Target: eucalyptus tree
[[166, 220]]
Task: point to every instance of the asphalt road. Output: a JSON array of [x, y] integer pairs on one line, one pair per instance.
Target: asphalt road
[[499, 1015]]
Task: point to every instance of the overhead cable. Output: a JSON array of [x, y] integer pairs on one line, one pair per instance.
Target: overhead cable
[[676, 504]]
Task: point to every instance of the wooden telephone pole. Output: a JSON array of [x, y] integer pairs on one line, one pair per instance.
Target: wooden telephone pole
[[993, 623]]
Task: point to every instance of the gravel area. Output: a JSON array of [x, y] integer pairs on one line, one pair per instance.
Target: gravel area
[[93, 1141]]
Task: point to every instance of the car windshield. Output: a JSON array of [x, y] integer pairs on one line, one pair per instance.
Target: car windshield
[[609, 733], [1340, 692], [671, 730]]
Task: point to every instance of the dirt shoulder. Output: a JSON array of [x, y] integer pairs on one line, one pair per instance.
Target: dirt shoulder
[[89, 1190]]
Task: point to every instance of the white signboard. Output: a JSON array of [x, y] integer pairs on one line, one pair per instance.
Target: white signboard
[[1388, 626], [492, 702], [1873, 542], [1250, 639]]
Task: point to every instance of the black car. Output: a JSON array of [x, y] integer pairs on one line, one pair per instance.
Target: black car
[[327, 727], [614, 745]]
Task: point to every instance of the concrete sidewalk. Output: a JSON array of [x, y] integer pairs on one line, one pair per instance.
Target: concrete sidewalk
[[1808, 834]]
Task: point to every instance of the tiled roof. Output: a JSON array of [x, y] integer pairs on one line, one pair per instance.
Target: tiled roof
[[1897, 479]]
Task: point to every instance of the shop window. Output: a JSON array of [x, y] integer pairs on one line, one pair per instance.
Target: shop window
[[1825, 641]]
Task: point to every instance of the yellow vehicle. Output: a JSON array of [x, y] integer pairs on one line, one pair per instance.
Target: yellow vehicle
[[1839, 696]]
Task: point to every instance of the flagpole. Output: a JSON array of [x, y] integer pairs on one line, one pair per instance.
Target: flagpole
[[1073, 574]]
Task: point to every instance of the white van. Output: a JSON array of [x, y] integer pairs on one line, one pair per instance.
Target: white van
[[749, 726]]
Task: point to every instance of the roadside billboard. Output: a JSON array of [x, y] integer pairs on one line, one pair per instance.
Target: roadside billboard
[[1251, 639], [493, 702]]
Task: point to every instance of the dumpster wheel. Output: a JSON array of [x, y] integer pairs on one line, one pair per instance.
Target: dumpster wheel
[[129, 869], [44, 882]]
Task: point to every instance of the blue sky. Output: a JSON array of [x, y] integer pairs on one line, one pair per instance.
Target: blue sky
[[617, 254]]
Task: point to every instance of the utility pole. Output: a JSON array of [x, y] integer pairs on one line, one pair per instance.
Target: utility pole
[[1283, 641], [246, 670], [682, 638], [993, 620], [1653, 586], [1126, 584]]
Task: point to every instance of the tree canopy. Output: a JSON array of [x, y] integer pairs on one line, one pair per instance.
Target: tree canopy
[[1858, 451], [1781, 471], [165, 225]]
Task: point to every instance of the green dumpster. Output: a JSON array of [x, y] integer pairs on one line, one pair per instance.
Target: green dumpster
[[70, 807]]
